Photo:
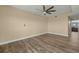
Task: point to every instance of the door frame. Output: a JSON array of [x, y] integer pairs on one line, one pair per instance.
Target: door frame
[[69, 26]]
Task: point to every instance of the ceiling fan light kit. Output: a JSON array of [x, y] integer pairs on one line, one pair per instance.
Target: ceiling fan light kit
[[44, 13]]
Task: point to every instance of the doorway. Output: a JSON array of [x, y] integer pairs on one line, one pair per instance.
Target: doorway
[[74, 31]]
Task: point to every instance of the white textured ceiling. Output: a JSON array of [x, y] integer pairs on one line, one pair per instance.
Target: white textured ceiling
[[60, 9], [75, 10], [37, 9]]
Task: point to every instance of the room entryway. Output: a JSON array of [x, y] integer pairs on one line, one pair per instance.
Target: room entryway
[[74, 32]]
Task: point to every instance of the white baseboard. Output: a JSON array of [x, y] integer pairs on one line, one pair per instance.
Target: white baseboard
[[30, 37], [21, 38], [58, 34]]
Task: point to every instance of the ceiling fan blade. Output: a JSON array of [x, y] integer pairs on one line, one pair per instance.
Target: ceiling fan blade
[[50, 8], [49, 13], [43, 7]]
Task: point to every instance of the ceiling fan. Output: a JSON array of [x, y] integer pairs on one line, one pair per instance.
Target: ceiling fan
[[48, 11]]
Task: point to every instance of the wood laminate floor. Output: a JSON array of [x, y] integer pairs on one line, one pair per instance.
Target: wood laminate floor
[[46, 43]]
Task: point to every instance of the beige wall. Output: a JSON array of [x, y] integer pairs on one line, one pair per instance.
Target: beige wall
[[58, 25], [12, 23]]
